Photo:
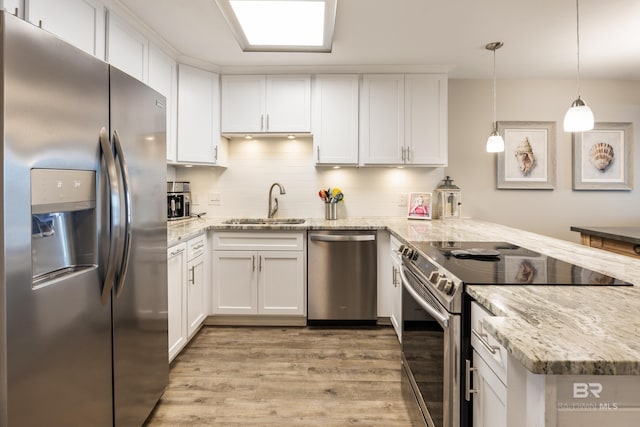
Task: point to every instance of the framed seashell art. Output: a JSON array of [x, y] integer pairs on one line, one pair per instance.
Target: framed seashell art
[[528, 160], [602, 157]]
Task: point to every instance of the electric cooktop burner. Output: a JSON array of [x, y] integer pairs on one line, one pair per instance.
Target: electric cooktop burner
[[501, 263]]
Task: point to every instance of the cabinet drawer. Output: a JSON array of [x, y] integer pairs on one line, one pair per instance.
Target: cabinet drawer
[[487, 347], [196, 246], [266, 241], [176, 250]]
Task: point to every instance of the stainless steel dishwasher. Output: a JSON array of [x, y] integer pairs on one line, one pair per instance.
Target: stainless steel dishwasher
[[342, 276]]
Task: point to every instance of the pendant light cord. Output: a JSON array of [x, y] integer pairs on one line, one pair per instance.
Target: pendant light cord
[[495, 126], [578, 42]]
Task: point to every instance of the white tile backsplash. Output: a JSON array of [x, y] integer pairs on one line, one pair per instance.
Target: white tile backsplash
[[256, 164]]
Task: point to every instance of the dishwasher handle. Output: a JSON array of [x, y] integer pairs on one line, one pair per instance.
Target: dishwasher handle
[[342, 237]]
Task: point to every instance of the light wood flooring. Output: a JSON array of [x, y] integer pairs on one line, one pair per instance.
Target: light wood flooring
[[286, 376]]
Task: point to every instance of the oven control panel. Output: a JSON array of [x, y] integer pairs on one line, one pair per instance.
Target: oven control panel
[[434, 275]]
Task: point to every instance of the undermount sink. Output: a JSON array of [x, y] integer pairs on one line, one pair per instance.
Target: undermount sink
[[262, 221]]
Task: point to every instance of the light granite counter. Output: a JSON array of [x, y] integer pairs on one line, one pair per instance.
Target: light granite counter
[[550, 330]]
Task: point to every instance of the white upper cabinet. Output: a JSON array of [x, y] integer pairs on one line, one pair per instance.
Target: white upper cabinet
[[335, 119], [12, 6], [266, 104], [78, 22], [382, 119], [426, 119], [403, 119], [198, 116], [163, 78], [127, 49]]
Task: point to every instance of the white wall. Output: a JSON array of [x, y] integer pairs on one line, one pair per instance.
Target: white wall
[[546, 212], [255, 164]]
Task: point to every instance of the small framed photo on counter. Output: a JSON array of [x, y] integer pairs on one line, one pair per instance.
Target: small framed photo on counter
[[602, 157], [419, 206]]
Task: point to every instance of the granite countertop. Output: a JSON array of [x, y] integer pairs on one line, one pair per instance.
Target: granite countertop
[[549, 329], [623, 234]]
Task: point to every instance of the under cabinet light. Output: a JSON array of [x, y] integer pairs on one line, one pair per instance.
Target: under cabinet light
[[281, 25]]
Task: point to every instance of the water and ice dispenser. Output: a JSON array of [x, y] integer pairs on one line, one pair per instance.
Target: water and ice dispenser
[[63, 223]]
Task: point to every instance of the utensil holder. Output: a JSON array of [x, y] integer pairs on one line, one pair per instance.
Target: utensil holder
[[330, 211]]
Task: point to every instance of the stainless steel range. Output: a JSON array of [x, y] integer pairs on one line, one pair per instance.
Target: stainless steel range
[[435, 312]]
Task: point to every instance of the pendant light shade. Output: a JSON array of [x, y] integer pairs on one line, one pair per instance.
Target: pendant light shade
[[579, 116], [495, 143]]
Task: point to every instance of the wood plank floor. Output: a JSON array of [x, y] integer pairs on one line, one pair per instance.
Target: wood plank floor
[[286, 376]]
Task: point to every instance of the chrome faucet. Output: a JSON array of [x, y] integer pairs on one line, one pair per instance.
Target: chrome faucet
[[274, 209]]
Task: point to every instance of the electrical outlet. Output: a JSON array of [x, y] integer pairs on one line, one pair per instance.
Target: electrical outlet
[[402, 200], [214, 199]]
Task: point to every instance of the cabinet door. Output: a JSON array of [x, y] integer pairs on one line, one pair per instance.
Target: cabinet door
[[127, 49], [177, 295], [11, 5], [195, 294], [490, 401], [382, 119], [235, 282], [396, 307], [243, 104], [335, 119], [162, 77], [281, 286], [426, 119], [288, 104], [198, 115], [78, 22]]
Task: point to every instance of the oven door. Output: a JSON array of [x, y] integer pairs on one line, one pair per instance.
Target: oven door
[[430, 353]]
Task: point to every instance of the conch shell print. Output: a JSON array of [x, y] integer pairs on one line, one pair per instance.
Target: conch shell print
[[601, 156], [526, 158]]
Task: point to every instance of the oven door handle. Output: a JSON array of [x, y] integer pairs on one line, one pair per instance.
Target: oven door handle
[[442, 319]]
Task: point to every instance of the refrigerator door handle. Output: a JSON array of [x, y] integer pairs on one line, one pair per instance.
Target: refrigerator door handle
[[114, 219], [124, 262]]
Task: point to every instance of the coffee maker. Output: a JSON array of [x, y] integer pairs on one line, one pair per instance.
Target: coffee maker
[[178, 200]]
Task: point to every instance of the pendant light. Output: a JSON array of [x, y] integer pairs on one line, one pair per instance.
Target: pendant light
[[579, 116], [495, 143]]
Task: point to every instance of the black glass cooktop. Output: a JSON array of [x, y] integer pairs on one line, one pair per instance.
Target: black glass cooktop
[[500, 263]]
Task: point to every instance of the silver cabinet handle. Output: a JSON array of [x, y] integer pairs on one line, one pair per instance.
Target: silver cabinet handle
[[114, 202], [179, 251], [342, 237], [468, 391], [126, 231], [483, 338], [260, 263], [215, 153], [253, 263], [318, 153], [408, 154], [402, 153], [192, 279], [267, 129], [261, 121]]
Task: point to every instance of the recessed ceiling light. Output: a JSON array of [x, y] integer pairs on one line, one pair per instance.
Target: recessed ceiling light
[[281, 25]]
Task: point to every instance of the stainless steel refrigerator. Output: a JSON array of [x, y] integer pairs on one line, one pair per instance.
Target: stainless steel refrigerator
[[83, 286]]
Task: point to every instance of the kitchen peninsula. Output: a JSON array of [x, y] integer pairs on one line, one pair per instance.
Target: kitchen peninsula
[[621, 240], [614, 347]]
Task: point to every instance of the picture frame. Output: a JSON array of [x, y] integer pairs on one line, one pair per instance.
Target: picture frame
[[603, 157], [529, 157], [419, 206]]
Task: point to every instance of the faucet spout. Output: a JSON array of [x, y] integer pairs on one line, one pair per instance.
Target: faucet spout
[[273, 208]]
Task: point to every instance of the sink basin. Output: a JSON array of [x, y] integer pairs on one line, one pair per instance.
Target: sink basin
[[264, 221]]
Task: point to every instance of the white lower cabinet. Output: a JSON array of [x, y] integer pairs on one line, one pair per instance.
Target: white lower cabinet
[[490, 402], [259, 274], [187, 273], [177, 297], [196, 279], [396, 284]]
